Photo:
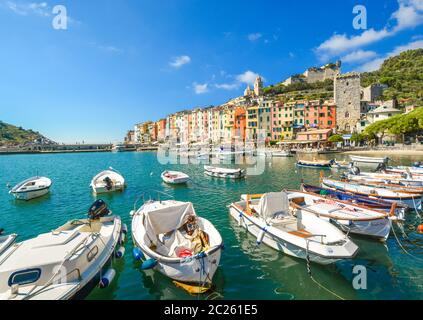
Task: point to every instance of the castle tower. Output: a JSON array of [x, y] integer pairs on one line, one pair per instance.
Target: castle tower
[[248, 92], [347, 94], [258, 86]]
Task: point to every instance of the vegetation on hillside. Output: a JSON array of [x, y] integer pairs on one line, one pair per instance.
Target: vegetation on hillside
[[11, 135], [401, 124], [404, 76]]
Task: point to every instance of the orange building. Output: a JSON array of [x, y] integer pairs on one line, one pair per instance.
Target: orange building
[[161, 130], [240, 124], [320, 115]]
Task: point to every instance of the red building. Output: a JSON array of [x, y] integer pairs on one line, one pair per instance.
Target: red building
[[240, 124], [320, 115]]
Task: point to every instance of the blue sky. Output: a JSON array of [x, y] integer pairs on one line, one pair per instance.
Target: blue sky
[[121, 62]]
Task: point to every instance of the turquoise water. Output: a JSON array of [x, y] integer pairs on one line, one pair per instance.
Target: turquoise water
[[247, 271]]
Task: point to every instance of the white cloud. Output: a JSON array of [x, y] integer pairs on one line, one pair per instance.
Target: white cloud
[[178, 62], [27, 8], [358, 56], [248, 77], [338, 44], [254, 36], [227, 86], [409, 15], [376, 63], [111, 49], [200, 88]]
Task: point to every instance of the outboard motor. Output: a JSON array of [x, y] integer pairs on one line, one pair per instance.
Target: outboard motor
[[109, 183], [354, 170], [381, 167], [97, 210]]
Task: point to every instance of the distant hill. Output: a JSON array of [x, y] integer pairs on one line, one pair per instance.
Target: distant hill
[[404, 76], [11, 135], [402, 73]]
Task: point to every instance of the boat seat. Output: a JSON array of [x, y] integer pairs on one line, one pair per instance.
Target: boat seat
[[301, 233]]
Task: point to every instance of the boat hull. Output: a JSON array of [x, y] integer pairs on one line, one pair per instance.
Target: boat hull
[[29, 195]]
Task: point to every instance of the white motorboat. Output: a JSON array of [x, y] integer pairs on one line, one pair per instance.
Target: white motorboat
[[281, 154], [174, 177], [31, 188], [224, 172], [340, 164], [108, 181], [64, 263], [413, 201], [293, 231], [118, 148], [6, 241], [369, 161], [176, 242], [350, 218]]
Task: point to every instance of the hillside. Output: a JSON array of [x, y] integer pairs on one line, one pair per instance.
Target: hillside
[[404, 76], [11, 136]]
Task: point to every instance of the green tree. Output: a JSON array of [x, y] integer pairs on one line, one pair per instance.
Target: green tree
[[336, 138]]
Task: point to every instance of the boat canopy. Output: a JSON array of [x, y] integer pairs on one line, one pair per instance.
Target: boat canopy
[[272, 204], [168, 218]]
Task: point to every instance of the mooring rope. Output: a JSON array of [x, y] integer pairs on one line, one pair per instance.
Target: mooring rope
[[400, 244], [311, 275]]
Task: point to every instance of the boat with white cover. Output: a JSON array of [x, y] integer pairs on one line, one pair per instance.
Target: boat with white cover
[[413, 201], [293, 231], [282, 154], [108, 181], [176, 242], [31, 188], [61, 264], [317, 164], [174, 177], [351, 218], [224, 172]]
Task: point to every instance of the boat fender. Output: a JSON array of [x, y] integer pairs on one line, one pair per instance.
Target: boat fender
[[138, 255], [124, 229], [107, 278], [261, 235], [131, 213], [120, 253], [149, 264], [420, 228], [240, 220], [122, 238]]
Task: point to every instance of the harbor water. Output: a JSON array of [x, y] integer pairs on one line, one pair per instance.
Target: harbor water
[[247, 271]]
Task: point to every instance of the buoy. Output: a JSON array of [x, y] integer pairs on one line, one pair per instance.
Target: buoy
[[120, 253], [149, 264], [138, 255], [420, 228], [107, 278], [132, 212], [261, 236], [122, 238], [124, 229]]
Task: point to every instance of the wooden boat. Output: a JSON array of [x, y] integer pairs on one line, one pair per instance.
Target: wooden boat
[[374, 204], [64, 263], [224, 172], [31, 188], [297, 233], [350, 218], [108, 181], [318, 164], [398, 179], [413, 201], [176, 242], [409, 171], [174, 177], [390, 186]]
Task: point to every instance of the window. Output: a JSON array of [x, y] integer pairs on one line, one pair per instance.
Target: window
[[24, 277], [347, 114], [91, 255]]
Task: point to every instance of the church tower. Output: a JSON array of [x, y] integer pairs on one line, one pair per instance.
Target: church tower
[[258, 86]]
